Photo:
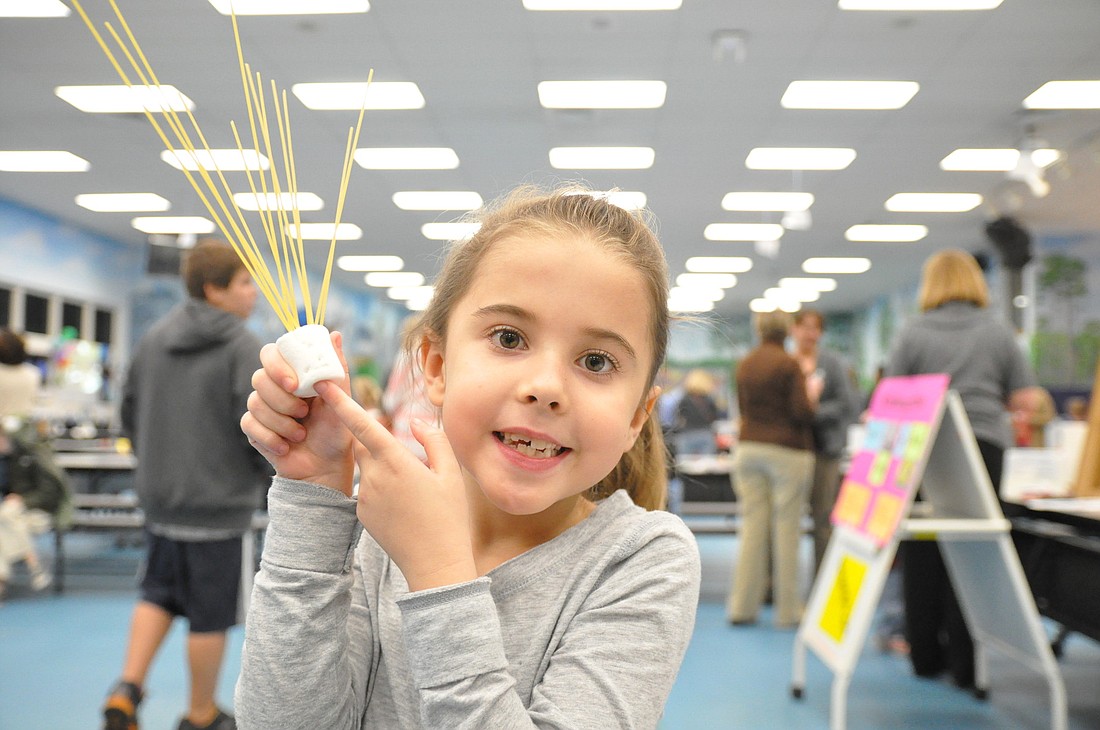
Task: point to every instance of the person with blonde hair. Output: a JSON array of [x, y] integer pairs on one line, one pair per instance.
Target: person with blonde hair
[[772, 466], [695, 415], [516, 578], [956, 334]]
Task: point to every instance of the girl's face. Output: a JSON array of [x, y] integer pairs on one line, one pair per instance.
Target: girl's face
[[542, 380]]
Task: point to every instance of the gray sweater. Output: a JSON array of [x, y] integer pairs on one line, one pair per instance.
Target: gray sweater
[[586, 630], [980, 354]]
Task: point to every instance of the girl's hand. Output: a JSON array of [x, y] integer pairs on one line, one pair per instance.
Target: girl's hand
[[302, 438], [418, 514]]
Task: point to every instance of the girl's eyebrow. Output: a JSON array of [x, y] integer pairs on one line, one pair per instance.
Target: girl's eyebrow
[[598, 333]]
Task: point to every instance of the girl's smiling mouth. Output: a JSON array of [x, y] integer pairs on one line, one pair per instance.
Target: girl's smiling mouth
[[531, 447]]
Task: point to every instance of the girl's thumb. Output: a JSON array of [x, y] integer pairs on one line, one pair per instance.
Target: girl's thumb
[[436, 445]]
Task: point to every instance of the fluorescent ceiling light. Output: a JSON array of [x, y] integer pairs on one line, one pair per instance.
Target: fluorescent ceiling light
[[282, 201], [324, 231], [370, 263], [627, 199], [226, 160], [918, 4], [731, 264], [762, 305], [406, 158], [602, 94], [351, 94], [33, 9], [1065, 95], [800, 158], [994, 160], [405, 293], [849, 94], [743, 232], [709, 293], [784, 294], [119, 202], [767, 201], [894, 233], [173, 224], [602, 158], [828, 265], [933, 202], [120, 98], [289, 7], [449, 231], [42, 161], [808, 282], [437, 200], [608, 5], [386, 279], [720, 281]]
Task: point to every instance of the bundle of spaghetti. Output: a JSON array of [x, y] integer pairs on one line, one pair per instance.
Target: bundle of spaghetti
[[281, 223]]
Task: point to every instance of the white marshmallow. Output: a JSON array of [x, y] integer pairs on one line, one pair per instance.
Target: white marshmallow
[[309, 351]]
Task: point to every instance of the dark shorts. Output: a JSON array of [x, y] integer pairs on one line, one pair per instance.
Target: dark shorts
[[199, 581]]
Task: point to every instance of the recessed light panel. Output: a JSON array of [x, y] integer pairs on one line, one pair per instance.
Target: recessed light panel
[[602, 94], [42, 161], [891, 233], [386, 279], [123, 99], [800, 158], [437, 200], [449, 231], [122, 202], [370, 263], [1065, 95], [406, 158], [324, 231], [767, 201], [817, 283], [34, 9], [720, 281], [289, 7], [838, 265], [378, 95], [173, 224], [284, 201], [602, 158], [743, 232], [911, 5], [226, 160], [731, 264], [933, 202], [848, 94]]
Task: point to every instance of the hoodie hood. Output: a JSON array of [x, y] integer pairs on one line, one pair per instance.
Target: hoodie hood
[[196, 326], [953, 316]]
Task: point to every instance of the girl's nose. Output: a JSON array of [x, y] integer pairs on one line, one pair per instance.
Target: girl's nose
[[545, 384]]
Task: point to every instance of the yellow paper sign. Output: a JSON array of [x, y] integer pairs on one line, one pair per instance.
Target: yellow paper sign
[[884, 516], [879, 467], [842, 597]]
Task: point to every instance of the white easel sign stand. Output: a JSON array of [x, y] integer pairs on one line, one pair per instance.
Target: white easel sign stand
[[918, 434]]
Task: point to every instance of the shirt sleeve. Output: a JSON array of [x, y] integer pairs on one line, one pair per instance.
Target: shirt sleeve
[[308, 645], [614, 667]]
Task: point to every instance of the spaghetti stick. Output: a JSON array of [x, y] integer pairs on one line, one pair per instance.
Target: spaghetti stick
[[294, 240]]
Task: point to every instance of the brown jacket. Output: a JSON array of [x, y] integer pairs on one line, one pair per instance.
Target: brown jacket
[[771, 393]]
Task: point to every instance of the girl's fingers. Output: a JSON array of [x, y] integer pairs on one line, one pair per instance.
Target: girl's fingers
[[364, 427], [441, 457], [263, 439], [281, 424], [277, 368]]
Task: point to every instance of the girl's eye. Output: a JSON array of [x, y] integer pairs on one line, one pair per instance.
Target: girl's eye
[[598, 362], [507, 339]]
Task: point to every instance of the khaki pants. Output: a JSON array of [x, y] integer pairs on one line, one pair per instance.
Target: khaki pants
[[771, 483], [17, 526]]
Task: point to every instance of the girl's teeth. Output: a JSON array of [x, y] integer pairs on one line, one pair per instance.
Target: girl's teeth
[[533, 448]]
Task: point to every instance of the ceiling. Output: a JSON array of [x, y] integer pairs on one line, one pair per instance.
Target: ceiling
[[478, 62]]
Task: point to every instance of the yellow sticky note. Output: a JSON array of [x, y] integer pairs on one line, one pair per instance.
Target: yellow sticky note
[[851, 504], [842, 597], [884, 517]]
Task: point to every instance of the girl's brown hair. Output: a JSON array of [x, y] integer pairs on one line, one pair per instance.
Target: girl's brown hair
[[572, 211], [952, 276]]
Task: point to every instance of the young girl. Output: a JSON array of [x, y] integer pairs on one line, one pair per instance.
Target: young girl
[[517, 579]]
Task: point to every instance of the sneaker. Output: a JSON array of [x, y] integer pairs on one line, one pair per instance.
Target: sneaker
[[120, 709], [41, 579], [223, 721]]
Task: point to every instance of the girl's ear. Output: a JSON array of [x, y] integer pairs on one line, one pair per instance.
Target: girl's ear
[[645, 408], [433, 367]]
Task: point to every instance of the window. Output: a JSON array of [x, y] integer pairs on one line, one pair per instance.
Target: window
[[36, 314]]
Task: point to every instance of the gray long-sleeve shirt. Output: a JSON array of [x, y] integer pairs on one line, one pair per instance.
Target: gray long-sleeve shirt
[[586, 630]]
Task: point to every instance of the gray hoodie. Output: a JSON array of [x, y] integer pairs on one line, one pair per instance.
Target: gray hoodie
[[185, 393]]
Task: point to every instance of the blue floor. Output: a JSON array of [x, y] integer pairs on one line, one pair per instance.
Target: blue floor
[[59, 654]]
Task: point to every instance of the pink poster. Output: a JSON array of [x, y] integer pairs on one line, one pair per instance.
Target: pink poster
[[885, 470]]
